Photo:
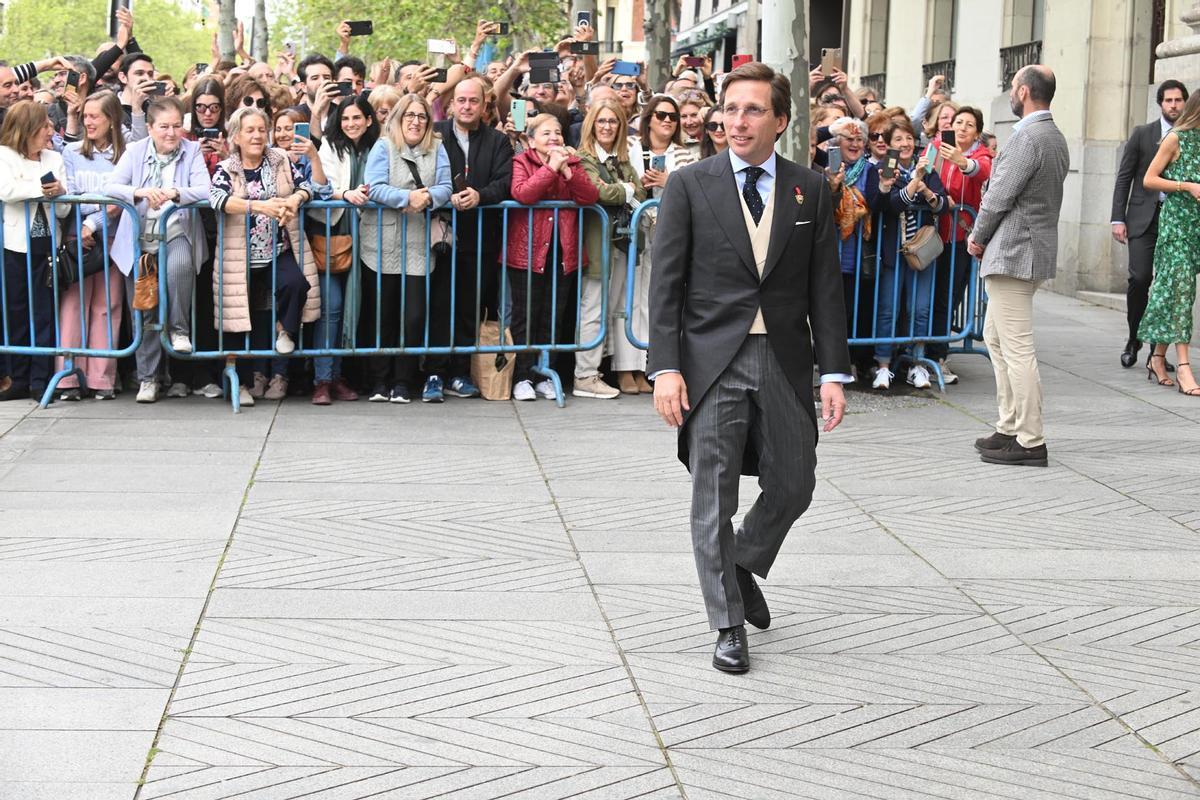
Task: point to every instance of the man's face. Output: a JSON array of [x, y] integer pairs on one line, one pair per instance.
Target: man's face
[[1172, 105], [468, 104], [261, 71], [407, 73], [602, 92], [138, 71], [495, 70], [543, 92], [316, 76], [347, 74], [25, 91], [8, 87], [565, 94], [750, 124]]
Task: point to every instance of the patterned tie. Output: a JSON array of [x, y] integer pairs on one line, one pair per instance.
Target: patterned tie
[[754, 200]]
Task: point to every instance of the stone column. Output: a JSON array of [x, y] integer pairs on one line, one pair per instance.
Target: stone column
[[1177, 58]]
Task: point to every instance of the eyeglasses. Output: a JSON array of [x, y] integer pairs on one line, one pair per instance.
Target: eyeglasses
[[250, 101], [607, 123], [417, 116], [712, 127], [753, 112], [664, 116], [625, 86], [208, 108]]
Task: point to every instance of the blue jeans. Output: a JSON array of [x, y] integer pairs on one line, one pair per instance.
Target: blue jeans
[[900, 284], [329, 327]]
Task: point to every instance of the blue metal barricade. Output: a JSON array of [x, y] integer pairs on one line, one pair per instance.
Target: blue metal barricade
[[35, 296], [901, 289], [317, 218]]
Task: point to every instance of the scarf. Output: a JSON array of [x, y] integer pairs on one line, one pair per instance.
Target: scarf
[[852, 206], [158, 163]]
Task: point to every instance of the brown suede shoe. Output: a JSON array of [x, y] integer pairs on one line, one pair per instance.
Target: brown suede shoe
[[320, 395]]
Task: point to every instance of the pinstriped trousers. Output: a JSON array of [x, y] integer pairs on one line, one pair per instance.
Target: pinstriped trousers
[[751, 400]]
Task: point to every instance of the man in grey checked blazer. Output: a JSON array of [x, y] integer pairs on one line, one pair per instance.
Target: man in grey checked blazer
[[1016, 234]]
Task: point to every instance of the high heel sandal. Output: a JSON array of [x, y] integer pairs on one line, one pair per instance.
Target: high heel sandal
[[1151, 375], [1193, 392]]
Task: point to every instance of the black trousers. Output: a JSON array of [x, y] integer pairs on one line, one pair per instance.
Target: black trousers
[[536, 320], [1141, 275], [473, 279], [291, 290], [25, 280], [948, 297], [390, 371]]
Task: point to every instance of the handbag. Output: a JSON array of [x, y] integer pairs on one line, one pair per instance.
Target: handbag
[[335, 250], [493, 372], [620, 216], [145, 288], [922, 248], [441, 236], [68, 269]]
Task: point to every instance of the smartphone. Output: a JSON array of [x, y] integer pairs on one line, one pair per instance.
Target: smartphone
[[694, 61], [439, 45], [932, 159], [71, 90], [831, 60], [583, 18], [948, 137], [289, 48], [499, 28], [300, 129], [658, 163], [210, 133], [891, 160], [626, 68], [48, 178], [345, 88], [460, 183], [440, 75], [833, 154], [362, 27], [741, 58], [585, 48], [160, 88], [517, 114], [542, 75]]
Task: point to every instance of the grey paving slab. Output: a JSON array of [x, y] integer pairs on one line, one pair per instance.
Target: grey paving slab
[[821, 569], [100, 756], [87, 709], [103, 580]]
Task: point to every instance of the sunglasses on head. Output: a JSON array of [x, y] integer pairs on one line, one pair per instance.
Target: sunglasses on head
[[250, 101], [664, 116], [714, 126]]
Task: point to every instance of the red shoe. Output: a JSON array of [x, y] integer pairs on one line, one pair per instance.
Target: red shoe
[[320, 395], [342, 391]]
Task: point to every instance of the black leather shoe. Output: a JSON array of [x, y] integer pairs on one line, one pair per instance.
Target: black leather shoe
[[754, 604], [1129, 355], [997, 441], [732, 653], [1016, 455]]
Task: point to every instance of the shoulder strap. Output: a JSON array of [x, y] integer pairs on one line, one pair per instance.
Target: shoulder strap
[[416, 175]]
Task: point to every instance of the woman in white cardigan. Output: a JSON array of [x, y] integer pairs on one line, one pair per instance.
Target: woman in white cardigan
[[29, 170]]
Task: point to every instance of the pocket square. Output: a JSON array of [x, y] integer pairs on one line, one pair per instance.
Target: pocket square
[[805, 222]]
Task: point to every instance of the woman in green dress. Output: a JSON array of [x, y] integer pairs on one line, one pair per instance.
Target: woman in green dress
[[1168, 320]]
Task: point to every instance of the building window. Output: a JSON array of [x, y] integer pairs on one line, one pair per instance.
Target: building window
[[939, 30], [1023, 21], [877, 37]]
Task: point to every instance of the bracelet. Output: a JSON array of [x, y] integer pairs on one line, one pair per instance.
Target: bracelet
[[1178, 186]]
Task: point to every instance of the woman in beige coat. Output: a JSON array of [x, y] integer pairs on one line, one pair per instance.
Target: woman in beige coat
[[260, 191]]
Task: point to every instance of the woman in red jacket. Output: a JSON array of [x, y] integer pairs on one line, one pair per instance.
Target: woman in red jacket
[[537, 271], [966, 166]]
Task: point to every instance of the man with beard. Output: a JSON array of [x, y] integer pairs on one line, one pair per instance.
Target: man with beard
[[1135, 210]]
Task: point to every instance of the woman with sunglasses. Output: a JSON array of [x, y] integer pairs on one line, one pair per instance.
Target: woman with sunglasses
[[713, 141], [659, 151], [246, 92]]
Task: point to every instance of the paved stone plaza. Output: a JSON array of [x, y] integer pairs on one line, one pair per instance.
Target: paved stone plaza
[[481, 600]]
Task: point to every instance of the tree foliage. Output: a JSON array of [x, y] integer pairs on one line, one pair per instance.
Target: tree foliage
[[402, 26], [34, 29]]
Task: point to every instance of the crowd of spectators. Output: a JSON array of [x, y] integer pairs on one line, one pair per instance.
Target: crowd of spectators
[[257, 142]]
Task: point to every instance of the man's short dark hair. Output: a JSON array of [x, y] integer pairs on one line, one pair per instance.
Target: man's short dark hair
[[1040, 82], [409, 63], [781, 87], [309, 60], [1168, 85], [355, 64], [129, 59]]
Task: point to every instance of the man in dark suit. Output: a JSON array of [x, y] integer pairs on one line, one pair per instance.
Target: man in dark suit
[[1135, 210], [745, 286]]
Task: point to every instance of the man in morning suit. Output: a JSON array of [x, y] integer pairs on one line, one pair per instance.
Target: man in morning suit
[[745, 286], [1135, 210]]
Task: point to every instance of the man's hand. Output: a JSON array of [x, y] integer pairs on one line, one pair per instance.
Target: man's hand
[[671, 399], [833, 405], [935, 83], [584, 33], [976, 250], [465, 200], [1120, 233]]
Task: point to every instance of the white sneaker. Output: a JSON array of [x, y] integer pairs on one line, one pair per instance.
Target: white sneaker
[[284, 343], [179, 389], [523, 390], [918, 376], [883, 378], [594, 386], [148, 392], [948, 376], [244, 396], [546, 389], [180, 343], [211, 391]]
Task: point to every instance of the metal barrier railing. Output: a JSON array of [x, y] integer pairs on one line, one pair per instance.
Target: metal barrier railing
[[373, 344], [39, 293], [963, 326]]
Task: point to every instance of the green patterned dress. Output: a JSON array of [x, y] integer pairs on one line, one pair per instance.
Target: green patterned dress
[[1168, 317]]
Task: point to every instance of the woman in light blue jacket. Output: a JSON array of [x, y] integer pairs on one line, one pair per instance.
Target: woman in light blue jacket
[[154, 175]]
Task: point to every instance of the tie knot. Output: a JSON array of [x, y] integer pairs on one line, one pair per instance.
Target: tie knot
[[753, 173]]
